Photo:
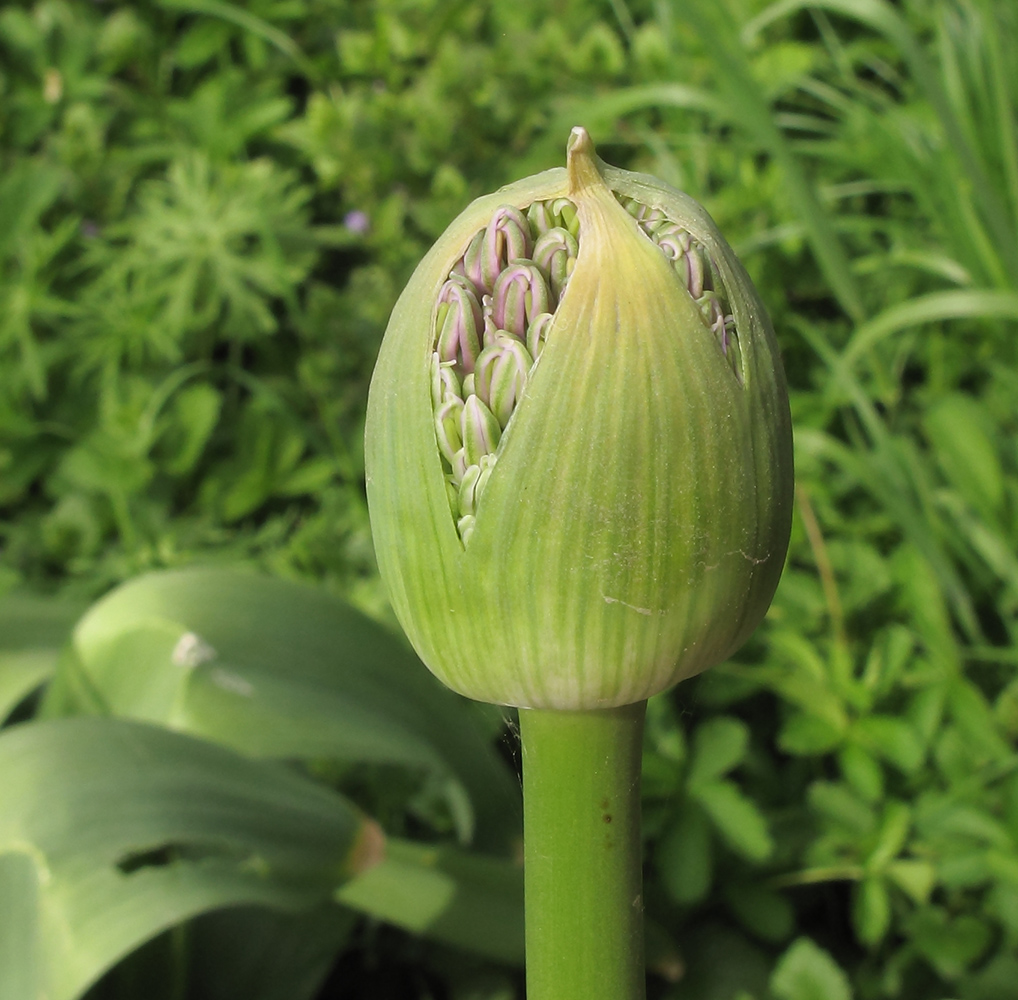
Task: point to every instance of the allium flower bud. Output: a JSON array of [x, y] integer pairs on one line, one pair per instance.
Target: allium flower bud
[[578, 444]]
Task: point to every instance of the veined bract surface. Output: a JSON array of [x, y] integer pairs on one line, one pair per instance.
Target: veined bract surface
[[636, 503]]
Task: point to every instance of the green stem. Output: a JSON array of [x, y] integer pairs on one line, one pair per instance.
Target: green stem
[[582, 853]]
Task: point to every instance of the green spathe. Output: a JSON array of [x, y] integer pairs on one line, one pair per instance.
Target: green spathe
[[634, 527]]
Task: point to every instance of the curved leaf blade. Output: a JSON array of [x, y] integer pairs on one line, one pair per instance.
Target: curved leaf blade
[[111, 831]]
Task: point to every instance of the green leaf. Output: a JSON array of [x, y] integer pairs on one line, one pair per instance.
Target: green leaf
[[962, 434], [807, 972], [951, 946], [466, 900], [749, 107], [718, 745], [863, 774], [192, 419], [892, 738], [737, 819], [837, 803], [894, 830], [806, 735], [930, 308], [26, 191], [112, 831], [915, 878], [994, 980], [32, 632], [20, 944], [871, 911], [683, 857], [279, 669], [762, 911], [974, 717]]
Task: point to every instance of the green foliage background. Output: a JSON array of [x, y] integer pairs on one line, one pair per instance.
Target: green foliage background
[[207, 210]]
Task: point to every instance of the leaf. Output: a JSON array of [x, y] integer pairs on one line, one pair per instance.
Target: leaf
[[837, 803], [20, 945], [806, 735], [111, 831], [466, 900], [892, 738], [762, 911], [807, 972], [279, 669], [974, 718], [951, 946], [915, 878], [871, 911], [748, 106], [683, 857], [934, 307], [962, 437], [718, 745], [862, 773], [32, 632], [737, 819], [894, 830], [26, 191], [194, 414]]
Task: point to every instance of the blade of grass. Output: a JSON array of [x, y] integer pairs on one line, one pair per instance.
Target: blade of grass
[[935, 307], [882, 17], [749, 108]]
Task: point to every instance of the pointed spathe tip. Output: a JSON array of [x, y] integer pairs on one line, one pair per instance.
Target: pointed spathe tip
[[582, 162], [580, 142]]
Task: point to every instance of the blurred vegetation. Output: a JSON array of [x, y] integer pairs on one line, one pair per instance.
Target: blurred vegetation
[[207, 210]]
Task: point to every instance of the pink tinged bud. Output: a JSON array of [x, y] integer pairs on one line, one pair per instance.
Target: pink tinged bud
[[444, 383], [564, 214], [448, 421], [727, 333], [652, 217], [711, 309], [691, 268], [459, 465], [467, 496], [459, 324], [539, 217], [479, 430], [506, 238], [537, 333], [672, 239], [520, 293], [555, 254], [474, 481], [502, 375], [471, 262], [490, 328]]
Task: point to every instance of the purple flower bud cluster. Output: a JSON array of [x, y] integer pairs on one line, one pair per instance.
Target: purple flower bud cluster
[[696, 270], [492, 320]]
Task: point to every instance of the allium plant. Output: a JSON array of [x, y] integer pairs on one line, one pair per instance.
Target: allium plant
[[579, 474]]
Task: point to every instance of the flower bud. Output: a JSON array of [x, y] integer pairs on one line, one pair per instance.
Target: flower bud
[[459, 322], [555, 254], [584, 495], [520, 293], [502, 375]]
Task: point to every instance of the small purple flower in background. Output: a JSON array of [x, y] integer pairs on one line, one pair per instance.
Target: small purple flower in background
[[357, 221]]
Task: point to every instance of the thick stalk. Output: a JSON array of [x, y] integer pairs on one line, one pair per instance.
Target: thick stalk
[[582, 852]]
